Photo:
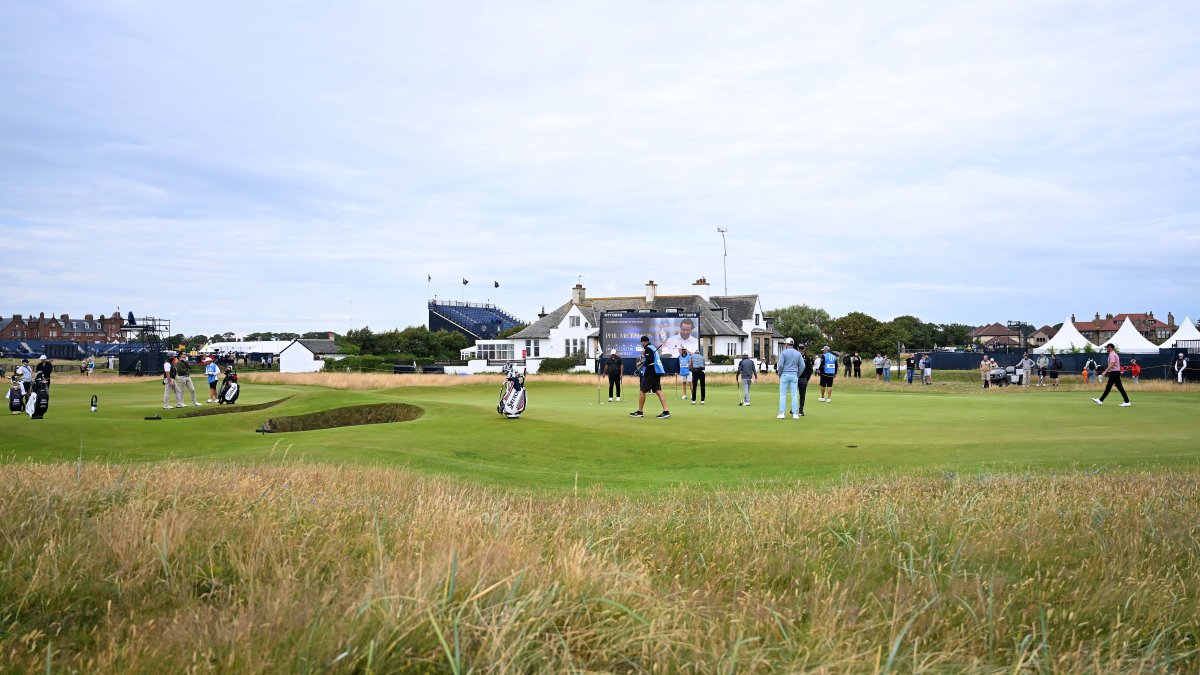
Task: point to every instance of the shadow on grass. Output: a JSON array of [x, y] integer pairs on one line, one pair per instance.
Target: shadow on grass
[[234, 408], [374, 413]]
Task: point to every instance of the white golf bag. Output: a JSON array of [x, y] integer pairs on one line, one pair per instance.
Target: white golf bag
[[512, 394]]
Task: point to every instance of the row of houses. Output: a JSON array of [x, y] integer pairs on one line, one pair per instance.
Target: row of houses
[[1097, 331], [63, 327]]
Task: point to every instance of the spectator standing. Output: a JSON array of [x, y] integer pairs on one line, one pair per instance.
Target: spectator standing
[[651, 370], [1180, 367], [927, 368], [698, 378], [1043, 364], [878, 361], [170, 385], [848, 360], [1113, 372], [1090, 371], [857, 361], [887, 369], [789, 365], [212, 372], [746, 374], [1135, 370], [183, 378], [685, 371], [91, 366], [806, 371], [614, 368], [985, 372], [1056, 366], [829, 368], [910, 365]]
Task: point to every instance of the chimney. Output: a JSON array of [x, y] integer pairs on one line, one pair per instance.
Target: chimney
[[16, 316], [578, 294], [63, 318], [1072, 317], [1097, 317], [1170, 319], [88, 317], [1108, 316], [701, 286], [329, 334], [542, 313], [651, 292]]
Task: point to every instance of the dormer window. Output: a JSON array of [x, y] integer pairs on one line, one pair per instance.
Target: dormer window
[[757, 317], [573, 321]]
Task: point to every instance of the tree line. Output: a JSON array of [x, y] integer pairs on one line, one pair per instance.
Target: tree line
[[860, 332], [414, 342]]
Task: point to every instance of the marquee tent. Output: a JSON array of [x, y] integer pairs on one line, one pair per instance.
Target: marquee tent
[[1128, 340], [1067, 338], [1187, 331]]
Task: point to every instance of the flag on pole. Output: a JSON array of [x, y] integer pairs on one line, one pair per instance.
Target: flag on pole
[[497, 284], [464, 282], [428, 277]]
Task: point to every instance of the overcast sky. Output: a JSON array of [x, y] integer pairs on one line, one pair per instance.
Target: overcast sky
[[304, 166]]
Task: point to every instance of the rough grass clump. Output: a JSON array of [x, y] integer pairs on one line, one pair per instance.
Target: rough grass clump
[[179, 567], [349, 416]]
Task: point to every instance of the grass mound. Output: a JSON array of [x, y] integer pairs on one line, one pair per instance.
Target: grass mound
[[350, 416]]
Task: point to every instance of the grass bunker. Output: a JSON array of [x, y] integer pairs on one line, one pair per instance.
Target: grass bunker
[[355, 415]]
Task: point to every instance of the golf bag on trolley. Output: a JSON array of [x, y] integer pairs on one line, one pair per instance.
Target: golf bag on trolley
[[15, 393], [39, 400], [512, 393], [230, 389]]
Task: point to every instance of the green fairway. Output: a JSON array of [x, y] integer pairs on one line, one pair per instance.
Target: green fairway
[[566, 438]]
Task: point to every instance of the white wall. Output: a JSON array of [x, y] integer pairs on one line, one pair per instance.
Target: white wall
[[297, 359]]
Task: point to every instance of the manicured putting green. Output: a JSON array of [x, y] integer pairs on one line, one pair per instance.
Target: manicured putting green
[[568, 439]]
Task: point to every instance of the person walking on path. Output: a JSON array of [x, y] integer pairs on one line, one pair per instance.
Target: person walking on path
[[806, 371], [614, 368], [698, 379], [857, 361], [212, 372], [685, 371], [746, 374], [788, 365], [829, 368], [651, 369], [183, 378], [171, 385], [1113, 371], [1180, 366], [1089, 371]]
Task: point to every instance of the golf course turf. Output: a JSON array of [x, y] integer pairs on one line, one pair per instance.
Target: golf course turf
[[567, 438]]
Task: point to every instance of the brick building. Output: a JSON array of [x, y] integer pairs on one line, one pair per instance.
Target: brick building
[[1099, 330], [62, 327]]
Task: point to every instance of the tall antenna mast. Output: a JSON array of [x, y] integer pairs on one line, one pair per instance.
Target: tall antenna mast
[[724, 257]]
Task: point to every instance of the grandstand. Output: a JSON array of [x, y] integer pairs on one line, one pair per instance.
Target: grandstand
[[475, 321], [61, 349]]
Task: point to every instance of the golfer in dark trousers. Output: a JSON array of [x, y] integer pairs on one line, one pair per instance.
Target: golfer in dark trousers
[[1113, 371], [614, 367], [698, 364], [805, 374]]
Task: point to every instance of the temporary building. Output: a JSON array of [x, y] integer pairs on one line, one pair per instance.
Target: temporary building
[[1067, 339], [1187, 332], [1128, 340]]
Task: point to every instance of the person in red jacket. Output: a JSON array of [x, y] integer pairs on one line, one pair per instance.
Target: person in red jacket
[[1135, 371]]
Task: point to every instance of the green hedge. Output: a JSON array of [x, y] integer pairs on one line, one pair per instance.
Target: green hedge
[[721, 360], [558, 365]]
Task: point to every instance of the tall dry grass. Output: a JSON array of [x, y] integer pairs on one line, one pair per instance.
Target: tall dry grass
[[188, 568]]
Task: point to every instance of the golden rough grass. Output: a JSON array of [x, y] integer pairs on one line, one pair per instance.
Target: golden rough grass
[[388, 380], [196, 568]]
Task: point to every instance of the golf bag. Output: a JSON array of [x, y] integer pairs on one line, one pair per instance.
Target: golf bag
[[15, 394], [39, 400], [229, 388], [512, 394]]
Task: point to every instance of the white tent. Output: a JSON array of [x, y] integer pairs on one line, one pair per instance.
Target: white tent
[[1067, 338], [1186, 331], [1128, 340]]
